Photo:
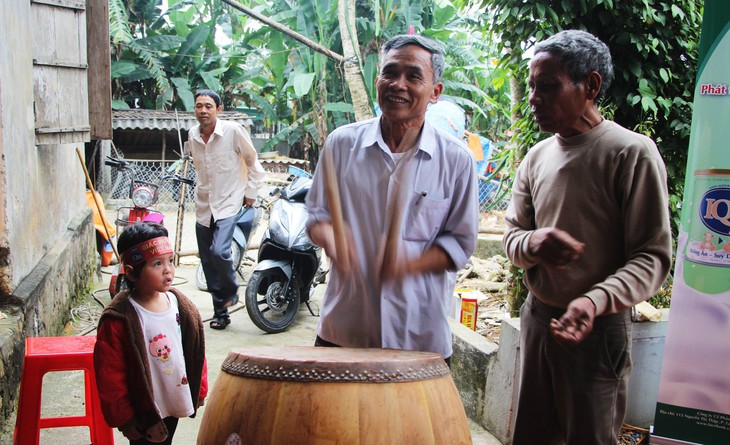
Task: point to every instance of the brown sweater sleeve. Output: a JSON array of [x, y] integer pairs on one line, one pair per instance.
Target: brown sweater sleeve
[[647, 240]]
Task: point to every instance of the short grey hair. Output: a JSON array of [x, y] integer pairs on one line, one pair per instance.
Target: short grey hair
[[433, 46], [580, 53]]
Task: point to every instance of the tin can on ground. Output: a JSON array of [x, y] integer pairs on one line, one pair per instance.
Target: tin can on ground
[[707, 255]]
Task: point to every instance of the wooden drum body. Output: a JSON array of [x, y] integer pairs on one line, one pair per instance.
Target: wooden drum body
[[308, 395]]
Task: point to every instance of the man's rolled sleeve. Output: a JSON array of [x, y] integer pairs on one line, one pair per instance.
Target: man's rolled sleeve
[[459, 236], [454, 250]]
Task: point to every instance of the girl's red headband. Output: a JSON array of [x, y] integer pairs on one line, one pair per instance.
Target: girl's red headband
[[147, 250]]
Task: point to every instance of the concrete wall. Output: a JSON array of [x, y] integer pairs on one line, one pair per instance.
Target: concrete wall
[[487, 376], [47, 245], [41, 302]]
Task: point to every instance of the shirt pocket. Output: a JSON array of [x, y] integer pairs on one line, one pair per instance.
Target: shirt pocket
[[227, 161], [425, 217]]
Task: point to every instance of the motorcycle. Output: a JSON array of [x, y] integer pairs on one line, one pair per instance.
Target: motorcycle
[[246, 226], [289, 264], [144, 195]]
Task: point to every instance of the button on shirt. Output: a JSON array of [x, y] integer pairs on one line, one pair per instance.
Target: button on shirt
[[227, 170], [441, 208]]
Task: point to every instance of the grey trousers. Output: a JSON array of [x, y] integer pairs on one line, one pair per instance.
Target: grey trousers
[[214, 248], [572, 395]]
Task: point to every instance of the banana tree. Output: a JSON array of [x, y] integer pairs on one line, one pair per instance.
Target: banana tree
[[302, 54], [161, 55]]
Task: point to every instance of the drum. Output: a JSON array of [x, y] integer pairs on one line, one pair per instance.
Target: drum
[[312, 395]]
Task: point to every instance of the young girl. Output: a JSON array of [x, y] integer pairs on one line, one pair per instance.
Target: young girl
[[150, 349]]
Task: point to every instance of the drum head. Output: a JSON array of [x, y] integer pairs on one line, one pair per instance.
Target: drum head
[[319, 364]]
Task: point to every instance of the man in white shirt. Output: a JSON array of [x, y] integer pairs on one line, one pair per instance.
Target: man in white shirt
[[229, 176], [397, 166]]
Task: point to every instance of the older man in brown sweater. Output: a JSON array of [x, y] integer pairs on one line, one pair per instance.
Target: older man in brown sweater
[[589, 224]]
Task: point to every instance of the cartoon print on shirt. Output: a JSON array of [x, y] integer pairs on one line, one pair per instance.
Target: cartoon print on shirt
[[161, 347], [184, 381]]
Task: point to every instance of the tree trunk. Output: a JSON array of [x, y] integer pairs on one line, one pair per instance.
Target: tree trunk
[[517, 88], [321, 118], [320, 121], [352, 62]]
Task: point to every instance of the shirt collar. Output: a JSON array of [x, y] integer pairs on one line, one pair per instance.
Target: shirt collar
[[218, 127], [217, 130], [374, 137]]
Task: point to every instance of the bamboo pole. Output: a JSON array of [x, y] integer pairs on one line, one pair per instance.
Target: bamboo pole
[[102, 211], [181, 199]]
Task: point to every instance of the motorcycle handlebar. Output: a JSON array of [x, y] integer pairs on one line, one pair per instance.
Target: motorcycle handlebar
[[116, 163], [178, 178]]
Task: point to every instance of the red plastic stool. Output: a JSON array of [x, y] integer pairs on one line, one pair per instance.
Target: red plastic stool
[[47, 354]]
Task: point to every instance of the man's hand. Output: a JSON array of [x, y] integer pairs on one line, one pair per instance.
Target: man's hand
[[323, 235], [394, 269], [248, 202], [435, 259], [555, 247], [576, 323]]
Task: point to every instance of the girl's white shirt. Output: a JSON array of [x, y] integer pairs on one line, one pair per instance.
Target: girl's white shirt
[[163, 338]]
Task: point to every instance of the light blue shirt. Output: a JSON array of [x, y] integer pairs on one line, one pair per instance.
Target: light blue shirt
[[441, 208]]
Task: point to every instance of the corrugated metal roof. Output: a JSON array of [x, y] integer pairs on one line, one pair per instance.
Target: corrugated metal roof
[[138, 119]]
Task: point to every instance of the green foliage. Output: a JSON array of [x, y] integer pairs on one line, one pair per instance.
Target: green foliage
[[663, 297], [161, 56]]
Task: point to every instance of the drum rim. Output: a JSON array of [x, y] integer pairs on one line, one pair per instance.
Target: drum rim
[[409, 366]]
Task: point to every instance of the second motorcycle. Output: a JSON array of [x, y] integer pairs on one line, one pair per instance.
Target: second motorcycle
[[289, 264]]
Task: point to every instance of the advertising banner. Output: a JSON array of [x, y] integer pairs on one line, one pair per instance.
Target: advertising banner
[[693, 405]]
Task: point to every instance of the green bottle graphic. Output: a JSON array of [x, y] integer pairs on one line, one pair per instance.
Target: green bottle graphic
[[706, 209], [707, 254]]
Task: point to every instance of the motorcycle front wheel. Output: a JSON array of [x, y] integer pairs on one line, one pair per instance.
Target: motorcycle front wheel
[[273, 310], [200, 280]]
